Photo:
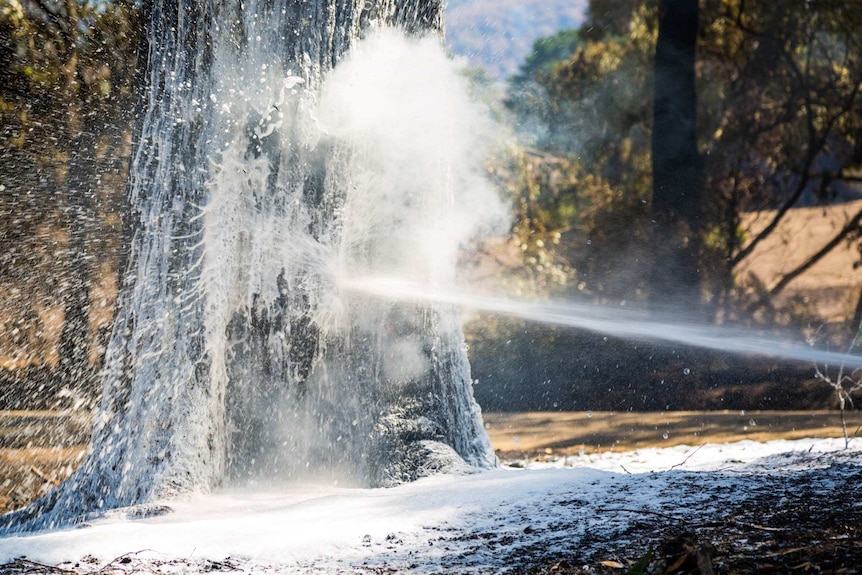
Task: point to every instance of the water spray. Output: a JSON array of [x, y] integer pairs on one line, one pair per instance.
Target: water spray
[[621, 323]]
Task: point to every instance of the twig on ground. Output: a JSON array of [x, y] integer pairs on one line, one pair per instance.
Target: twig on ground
[[41, 474], [644, 511], [122, 559], [30, 566], [684, 461], [759, 527]]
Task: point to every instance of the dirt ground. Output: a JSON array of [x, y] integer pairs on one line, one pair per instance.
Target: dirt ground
[[515, 435], [39, 449], [792, 529]]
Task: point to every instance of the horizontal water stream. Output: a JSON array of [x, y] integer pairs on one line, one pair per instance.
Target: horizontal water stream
[[619, 322]]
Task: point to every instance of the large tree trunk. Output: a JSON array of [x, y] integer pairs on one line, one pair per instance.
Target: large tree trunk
[[74, 346], [225, 360], [676, 201]]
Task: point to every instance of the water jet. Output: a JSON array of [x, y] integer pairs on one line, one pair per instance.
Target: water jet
[[620, 322]]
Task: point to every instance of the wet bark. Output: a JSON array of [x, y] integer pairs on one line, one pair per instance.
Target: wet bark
[[197, 388]]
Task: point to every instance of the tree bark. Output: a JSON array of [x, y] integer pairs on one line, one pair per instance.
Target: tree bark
[[217, 366], [677, 172]]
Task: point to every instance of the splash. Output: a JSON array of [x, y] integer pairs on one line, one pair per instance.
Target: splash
[[260, 177]]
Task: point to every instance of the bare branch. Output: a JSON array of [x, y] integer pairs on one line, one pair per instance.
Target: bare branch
[[814, 147], [851, 226]]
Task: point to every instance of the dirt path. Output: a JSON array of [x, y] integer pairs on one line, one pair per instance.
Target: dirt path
[[567, 433], [40, 449]]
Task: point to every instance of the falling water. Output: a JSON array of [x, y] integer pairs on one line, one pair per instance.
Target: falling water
[[278, 153]]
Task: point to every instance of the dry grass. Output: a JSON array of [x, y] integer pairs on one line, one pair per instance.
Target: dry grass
[[568, 433], [830, 288], [28, 473]]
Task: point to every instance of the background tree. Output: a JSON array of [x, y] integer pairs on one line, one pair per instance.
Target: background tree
[[588, 113], [777, 120], [676, 171], [66, 101], [777, 113], [780, 117]]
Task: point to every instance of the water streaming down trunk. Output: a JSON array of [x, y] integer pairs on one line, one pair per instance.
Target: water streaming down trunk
[[234, 353]]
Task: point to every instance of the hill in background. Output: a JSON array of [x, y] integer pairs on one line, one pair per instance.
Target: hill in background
[[498, 34]]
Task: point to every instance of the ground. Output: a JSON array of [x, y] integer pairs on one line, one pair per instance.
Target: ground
[[788, 525], [784, 506]]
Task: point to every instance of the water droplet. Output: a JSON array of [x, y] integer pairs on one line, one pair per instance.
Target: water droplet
[[589, 414], [686, 371], [665, 435]]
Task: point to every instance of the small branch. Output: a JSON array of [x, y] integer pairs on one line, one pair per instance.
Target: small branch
[[684, 461], [41, 474], [760, 527], [30, 566], [122, 559], [851, 226], [641, 511]]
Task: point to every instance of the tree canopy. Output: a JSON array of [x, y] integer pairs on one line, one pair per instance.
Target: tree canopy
[[777, 124]]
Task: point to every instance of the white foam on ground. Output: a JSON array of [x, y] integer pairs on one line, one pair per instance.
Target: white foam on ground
[[425, 526]]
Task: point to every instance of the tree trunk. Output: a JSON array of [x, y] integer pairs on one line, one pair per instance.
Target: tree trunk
[[75, 340], [74, 345], [234, 352], [676, 202]]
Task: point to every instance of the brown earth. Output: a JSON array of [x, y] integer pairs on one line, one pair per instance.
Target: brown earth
[[39, 449], [831, 287], [793, 528], [570, 433]]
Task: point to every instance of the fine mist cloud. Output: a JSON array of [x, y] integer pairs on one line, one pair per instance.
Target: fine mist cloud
[[418, 144]]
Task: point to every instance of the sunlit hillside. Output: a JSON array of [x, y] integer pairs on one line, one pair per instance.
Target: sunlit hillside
[[498, 34]]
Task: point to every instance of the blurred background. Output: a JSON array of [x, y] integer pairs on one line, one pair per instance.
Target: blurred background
[[764, 235]]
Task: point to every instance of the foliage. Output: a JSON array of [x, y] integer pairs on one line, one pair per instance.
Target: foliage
[[779, 115], [778, 127], [588, 182], [66, 101], [547, 52]]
